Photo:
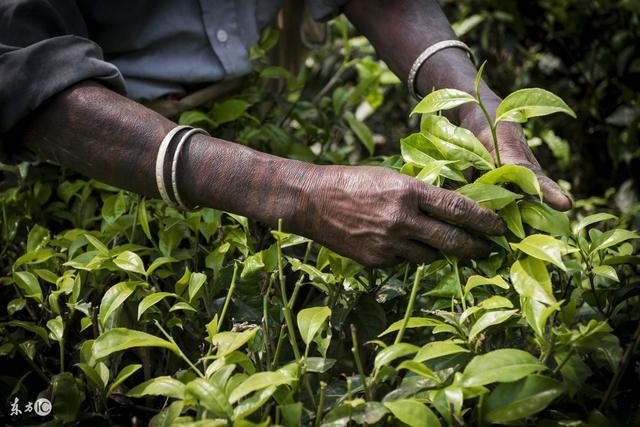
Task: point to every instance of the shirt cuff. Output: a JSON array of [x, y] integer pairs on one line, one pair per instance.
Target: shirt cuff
[[31, 75]]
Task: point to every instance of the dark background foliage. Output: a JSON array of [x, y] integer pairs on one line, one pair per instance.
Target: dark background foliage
[[587, 52]]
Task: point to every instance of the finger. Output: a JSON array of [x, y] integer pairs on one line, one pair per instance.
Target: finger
[[552, 194], [448, 238], [452, 206], [417, 252]]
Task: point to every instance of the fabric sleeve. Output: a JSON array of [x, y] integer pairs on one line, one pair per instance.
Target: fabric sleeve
[[323, 10], [44, 49]]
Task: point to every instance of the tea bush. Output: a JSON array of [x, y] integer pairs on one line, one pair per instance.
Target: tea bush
[[121, 310]]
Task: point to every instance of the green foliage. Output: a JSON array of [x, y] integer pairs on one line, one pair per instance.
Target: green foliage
[[115, 306]]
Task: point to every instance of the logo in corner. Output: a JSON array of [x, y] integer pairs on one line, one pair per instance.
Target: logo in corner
[[42, 407]]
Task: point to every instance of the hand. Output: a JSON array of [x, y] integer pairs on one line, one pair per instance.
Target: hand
[[514, 149], [379, 217]]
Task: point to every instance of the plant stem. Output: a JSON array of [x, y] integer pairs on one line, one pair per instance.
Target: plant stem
[[622, 367], [412, 300], [456, 270], [323, 387], [356, 356], [564, 362], [276, 354], [228, 298], [265, 322], [180, 353], [492, 126], [61, 345], [285, 303]]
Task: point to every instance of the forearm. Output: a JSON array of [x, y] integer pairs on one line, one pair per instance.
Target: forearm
[[400, 30], [101, 134]]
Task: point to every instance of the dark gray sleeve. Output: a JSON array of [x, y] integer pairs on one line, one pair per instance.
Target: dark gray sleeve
[[44, 49], [323, 10]]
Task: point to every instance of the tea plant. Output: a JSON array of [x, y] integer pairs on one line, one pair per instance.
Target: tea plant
[[122, 310]]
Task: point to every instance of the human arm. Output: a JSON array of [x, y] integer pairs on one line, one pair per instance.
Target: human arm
[[373, 215], [400, 30]]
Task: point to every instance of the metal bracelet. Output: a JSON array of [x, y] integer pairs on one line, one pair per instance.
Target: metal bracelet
[[426, 54], [160, 160], [174, 167]]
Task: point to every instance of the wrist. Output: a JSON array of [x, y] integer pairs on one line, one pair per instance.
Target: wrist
[[231, 177]]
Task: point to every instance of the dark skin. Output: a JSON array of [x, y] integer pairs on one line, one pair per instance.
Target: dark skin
[[376, 216]]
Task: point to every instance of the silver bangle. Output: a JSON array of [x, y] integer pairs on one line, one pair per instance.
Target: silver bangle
[[160, 160], [426, 54], [174, 167]]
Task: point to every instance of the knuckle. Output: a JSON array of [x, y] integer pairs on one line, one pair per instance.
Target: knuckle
[[456, 206], [451, 239]]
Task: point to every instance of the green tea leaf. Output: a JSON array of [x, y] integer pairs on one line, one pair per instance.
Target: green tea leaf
[[523, 104], [480, 70], [490, 196], [541, 217], [500, 366], [28, 284], [414, 322], [489, 319], [531, 279], [442, 99], [258, 381], [311, 321], [210, 396], [592, 219], [456, 143], [125, 373], [159, 386], [129, 261], [56, 326], [196, 280], [606, 271], [432, 171], [228, 342], [394, 351], [195, 118], [475, 281], [119, 339], [522, 176], [182, 306], [419, 152], [31, 327], [612, 238], [319, 364], [436, 349], [113, 299], [168, 416], [229, 110], [361, 130], [545, 248], [419, 369], [92, 375], [413, 413], [151, 300], [159, 262], [97, 244], [68, 397], [521, 399], [511, 216], [251, 404], [143, 218], [37, 238]]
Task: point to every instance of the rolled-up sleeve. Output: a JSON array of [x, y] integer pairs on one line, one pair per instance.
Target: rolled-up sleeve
[[44, 49], [323, 10]]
